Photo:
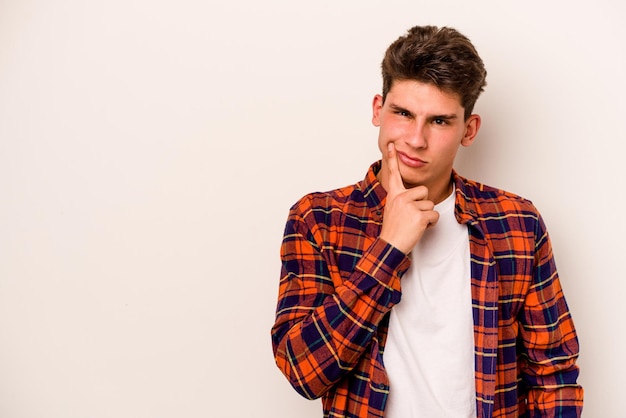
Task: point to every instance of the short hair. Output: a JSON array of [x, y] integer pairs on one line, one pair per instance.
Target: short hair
[[443, 57]]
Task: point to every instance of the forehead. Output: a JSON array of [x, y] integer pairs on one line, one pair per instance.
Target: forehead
[[417, 93]]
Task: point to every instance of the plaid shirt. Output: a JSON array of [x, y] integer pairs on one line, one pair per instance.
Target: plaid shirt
[[339, 282]]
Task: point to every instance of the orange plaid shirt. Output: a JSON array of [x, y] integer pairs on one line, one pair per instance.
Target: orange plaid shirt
[[339, 282]]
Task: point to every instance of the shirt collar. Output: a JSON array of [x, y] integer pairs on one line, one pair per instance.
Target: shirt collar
[[465, 206], [373, 192]]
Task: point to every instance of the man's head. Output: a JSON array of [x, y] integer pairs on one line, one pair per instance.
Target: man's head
[[431, 80], [442, 57]]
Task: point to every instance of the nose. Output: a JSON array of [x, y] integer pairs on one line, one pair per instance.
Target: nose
[[417, 136]]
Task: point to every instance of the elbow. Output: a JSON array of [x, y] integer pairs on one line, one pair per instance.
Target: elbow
[[304, 378], [308, 385]]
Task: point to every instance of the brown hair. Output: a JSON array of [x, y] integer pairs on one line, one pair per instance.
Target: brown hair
[[441, 56]]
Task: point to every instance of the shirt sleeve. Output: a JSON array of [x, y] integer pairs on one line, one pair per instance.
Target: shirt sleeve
[[324, 322], [549, 341]]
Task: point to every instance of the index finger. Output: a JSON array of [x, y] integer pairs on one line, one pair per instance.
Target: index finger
[[394, 178]]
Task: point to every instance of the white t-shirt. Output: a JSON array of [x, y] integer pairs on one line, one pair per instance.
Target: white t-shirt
[[429, 354]]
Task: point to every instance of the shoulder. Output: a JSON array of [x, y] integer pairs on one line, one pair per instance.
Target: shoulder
[[358, 199], [328, 201], [486, 203]]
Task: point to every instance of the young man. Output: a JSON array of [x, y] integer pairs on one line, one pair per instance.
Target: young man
[[417, 292]]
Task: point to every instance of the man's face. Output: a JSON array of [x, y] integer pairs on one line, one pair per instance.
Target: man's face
[[427, 126]]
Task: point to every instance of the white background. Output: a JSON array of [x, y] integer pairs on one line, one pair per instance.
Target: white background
[[150, 150]]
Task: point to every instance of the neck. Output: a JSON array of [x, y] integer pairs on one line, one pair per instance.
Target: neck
[[440, 197]]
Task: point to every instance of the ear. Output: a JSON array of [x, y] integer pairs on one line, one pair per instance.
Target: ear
[[472, 125], [377, 105]]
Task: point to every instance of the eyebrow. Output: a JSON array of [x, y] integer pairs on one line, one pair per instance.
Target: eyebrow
[[447, 117], [397, 108]]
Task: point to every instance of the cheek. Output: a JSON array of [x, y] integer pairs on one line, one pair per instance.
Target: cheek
[[383, 135], [450, 151], [382, 143], [389, 131]]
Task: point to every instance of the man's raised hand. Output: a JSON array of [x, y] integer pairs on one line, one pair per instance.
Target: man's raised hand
[[408, 212]]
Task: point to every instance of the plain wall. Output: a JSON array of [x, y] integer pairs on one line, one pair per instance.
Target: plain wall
[[150, 150]]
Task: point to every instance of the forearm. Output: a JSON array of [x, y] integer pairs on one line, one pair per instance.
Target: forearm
[[549, 370], [321, 331], [551, 349], [559, 396]]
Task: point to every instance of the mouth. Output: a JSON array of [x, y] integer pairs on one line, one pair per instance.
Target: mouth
[[410, 161]]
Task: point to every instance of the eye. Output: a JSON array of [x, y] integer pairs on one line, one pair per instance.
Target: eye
[[402, 113], [440, 121]]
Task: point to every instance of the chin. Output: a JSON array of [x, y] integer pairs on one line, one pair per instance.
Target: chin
[[411, 184], [412, 181]]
